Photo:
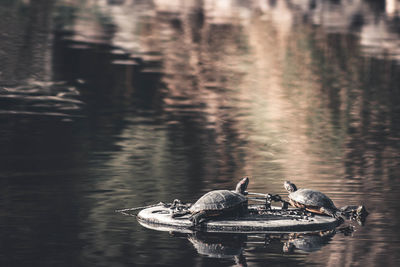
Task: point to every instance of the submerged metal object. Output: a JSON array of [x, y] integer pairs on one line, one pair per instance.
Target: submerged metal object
[[257, 220]]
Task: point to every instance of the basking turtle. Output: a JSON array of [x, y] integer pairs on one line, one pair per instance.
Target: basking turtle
[[218, 202], [311, 200]]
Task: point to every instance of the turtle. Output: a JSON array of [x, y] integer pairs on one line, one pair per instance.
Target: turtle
[[311, 200], [218, 202]]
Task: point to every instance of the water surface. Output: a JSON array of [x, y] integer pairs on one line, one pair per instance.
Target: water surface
[[116, 104]]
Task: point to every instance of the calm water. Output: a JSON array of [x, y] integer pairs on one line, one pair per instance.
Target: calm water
[[116, 104]]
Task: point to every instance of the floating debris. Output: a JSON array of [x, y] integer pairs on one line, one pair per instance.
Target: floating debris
[[257, 220]]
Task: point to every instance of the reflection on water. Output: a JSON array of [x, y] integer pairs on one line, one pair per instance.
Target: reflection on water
[[240, 249], [219, 246], [40, 98], [230, 245], [112, 104]]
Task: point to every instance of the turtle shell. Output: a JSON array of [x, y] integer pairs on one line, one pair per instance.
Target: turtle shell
[[218, 200], [312, 198]]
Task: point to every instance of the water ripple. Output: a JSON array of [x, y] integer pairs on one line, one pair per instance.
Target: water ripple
[[40, 98]]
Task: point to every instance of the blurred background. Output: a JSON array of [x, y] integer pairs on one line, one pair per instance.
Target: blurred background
[[111, 104]]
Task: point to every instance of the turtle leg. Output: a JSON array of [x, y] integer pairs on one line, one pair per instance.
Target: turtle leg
[[333, 213], [179, 213], [195, 218], [241, 211], [327, 212]]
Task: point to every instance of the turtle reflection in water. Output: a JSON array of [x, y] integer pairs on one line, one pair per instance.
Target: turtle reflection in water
[[217, 203], [311, 200], [220, 246], [308, 242], [234, 246]]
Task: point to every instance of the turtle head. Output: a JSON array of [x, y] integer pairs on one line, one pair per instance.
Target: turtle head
[[242, 186], [290, 187]]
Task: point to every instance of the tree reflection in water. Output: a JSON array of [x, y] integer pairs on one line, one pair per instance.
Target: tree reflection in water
[[108, 104]]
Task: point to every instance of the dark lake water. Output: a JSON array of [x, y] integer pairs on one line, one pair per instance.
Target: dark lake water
[[116, 104]]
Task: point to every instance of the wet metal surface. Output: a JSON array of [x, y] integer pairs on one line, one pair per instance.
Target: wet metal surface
[[276, 220]]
